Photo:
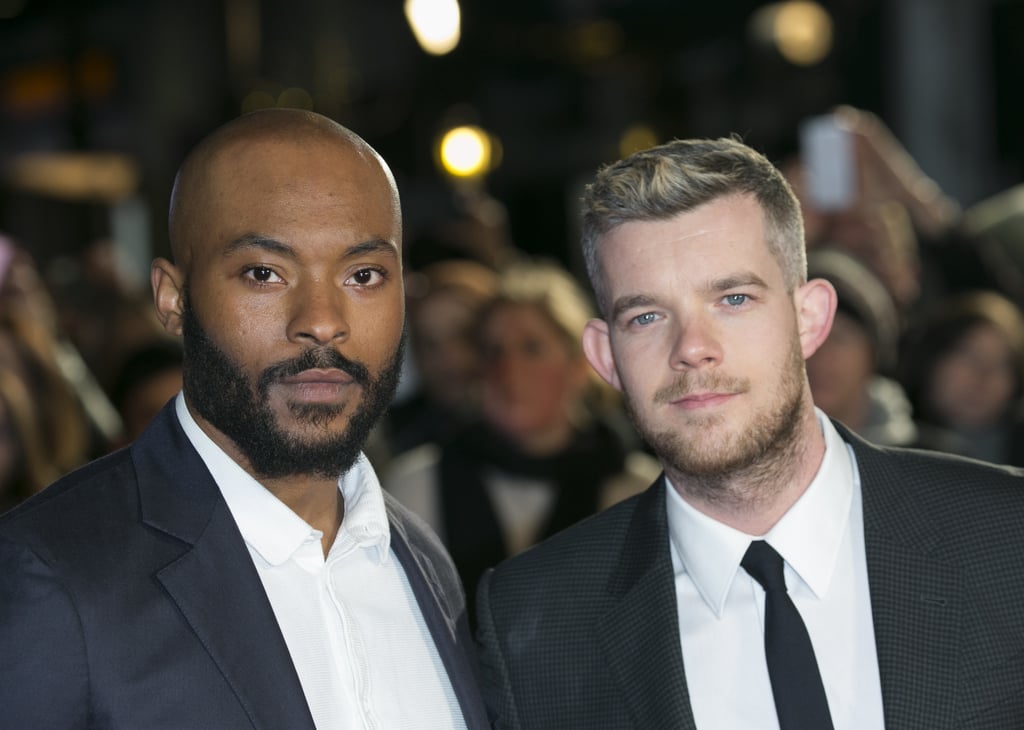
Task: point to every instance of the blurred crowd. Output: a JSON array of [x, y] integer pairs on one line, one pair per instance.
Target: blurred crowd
[[502, 434], [83, 367]]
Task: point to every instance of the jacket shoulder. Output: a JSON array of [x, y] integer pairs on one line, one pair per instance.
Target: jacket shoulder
[[79, 494]]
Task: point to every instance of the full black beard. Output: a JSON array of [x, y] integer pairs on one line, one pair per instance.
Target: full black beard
[[219, 391]]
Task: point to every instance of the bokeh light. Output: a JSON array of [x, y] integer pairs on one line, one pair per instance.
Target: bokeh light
[[466, 152], [436, 24]]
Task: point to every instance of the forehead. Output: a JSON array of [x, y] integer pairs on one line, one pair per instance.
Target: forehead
[[327, 167], [710, 240], [269, 186], [507, 320]]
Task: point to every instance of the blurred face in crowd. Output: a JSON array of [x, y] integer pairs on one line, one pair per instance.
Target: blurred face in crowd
[[146, 399], [533, 379], [841, 370], [447, 359], [291, 301], [704, 338], [972, 384]]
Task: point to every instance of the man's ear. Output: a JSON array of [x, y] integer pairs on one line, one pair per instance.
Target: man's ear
[[597, 346], [815, 304], [168, 294]]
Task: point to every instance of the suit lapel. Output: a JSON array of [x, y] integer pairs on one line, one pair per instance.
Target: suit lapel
[[214, 582], [443, 621], [915, 599], [640, 634]]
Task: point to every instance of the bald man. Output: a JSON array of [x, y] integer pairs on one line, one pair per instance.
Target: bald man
[[239, 566]]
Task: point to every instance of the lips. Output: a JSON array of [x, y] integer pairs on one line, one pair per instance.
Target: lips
[[328, 386], [316, 376], [695, 401]]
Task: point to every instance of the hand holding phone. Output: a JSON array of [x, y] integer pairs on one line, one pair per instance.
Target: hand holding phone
[[826, 148]]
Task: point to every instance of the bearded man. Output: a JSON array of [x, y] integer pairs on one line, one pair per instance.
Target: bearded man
[[239, 565]]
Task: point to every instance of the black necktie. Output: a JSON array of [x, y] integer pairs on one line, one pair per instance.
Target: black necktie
[[796, 683]]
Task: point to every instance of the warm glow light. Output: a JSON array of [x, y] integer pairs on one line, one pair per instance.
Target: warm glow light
[[295, 98], [466, 152], [75, 175], [635, 138], [435, 24], [801, 30], [258, 99]]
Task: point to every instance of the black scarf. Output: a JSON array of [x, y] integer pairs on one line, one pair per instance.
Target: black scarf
[[474, 534]]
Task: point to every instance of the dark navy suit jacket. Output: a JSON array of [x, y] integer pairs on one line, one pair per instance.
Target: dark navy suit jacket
[[128, 599]]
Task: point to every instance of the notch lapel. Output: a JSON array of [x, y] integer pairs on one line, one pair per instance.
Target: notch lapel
[[214, 582], [640, 633]]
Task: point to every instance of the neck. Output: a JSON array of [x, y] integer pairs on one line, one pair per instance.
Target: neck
[[545, 442], [316, 500], [753, 498]]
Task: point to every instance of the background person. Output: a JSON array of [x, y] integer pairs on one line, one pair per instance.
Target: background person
[[544, 453], [444, 300], [849, 373], [963, 368]]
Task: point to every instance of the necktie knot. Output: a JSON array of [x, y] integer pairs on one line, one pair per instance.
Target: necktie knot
[[764, 565]]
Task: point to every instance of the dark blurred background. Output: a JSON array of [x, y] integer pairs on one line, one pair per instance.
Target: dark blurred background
[[100, 100]]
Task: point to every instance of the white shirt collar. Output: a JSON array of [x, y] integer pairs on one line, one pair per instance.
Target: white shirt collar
[[808, 536], [269, 526]]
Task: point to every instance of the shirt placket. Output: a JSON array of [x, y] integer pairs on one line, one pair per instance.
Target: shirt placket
[[355, 655]]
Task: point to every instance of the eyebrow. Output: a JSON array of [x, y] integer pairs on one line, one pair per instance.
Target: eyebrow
[[625, 303], [723, 284], [742, 279], [272, 245]]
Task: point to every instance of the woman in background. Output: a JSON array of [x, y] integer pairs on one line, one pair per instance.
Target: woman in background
[[546, 451], [963, 369]]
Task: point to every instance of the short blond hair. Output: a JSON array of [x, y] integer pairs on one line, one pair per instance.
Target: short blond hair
[[661, 182]]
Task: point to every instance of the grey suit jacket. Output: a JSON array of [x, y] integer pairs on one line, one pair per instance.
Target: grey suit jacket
[[128, 599], [582, 631]]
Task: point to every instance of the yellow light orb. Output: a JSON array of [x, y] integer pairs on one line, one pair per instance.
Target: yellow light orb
[[436, 24], [800, 30], [803, 32], [466, 151]]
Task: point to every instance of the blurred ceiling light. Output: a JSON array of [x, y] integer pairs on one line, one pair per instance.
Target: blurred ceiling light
[[435, 24], [800, 30], [596, 41], [466, 152], [93, 176]]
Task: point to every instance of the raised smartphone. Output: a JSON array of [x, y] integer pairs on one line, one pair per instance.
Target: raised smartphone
[[826, 150]]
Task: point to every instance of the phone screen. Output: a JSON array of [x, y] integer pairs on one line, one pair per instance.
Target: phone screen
[[826, 149]]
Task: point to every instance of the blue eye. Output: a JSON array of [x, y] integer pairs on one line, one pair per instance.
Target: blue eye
[[735, 300], [645, 318]]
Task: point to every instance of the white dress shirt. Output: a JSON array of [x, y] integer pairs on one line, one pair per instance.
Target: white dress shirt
[[721, 608], [357, 638]]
